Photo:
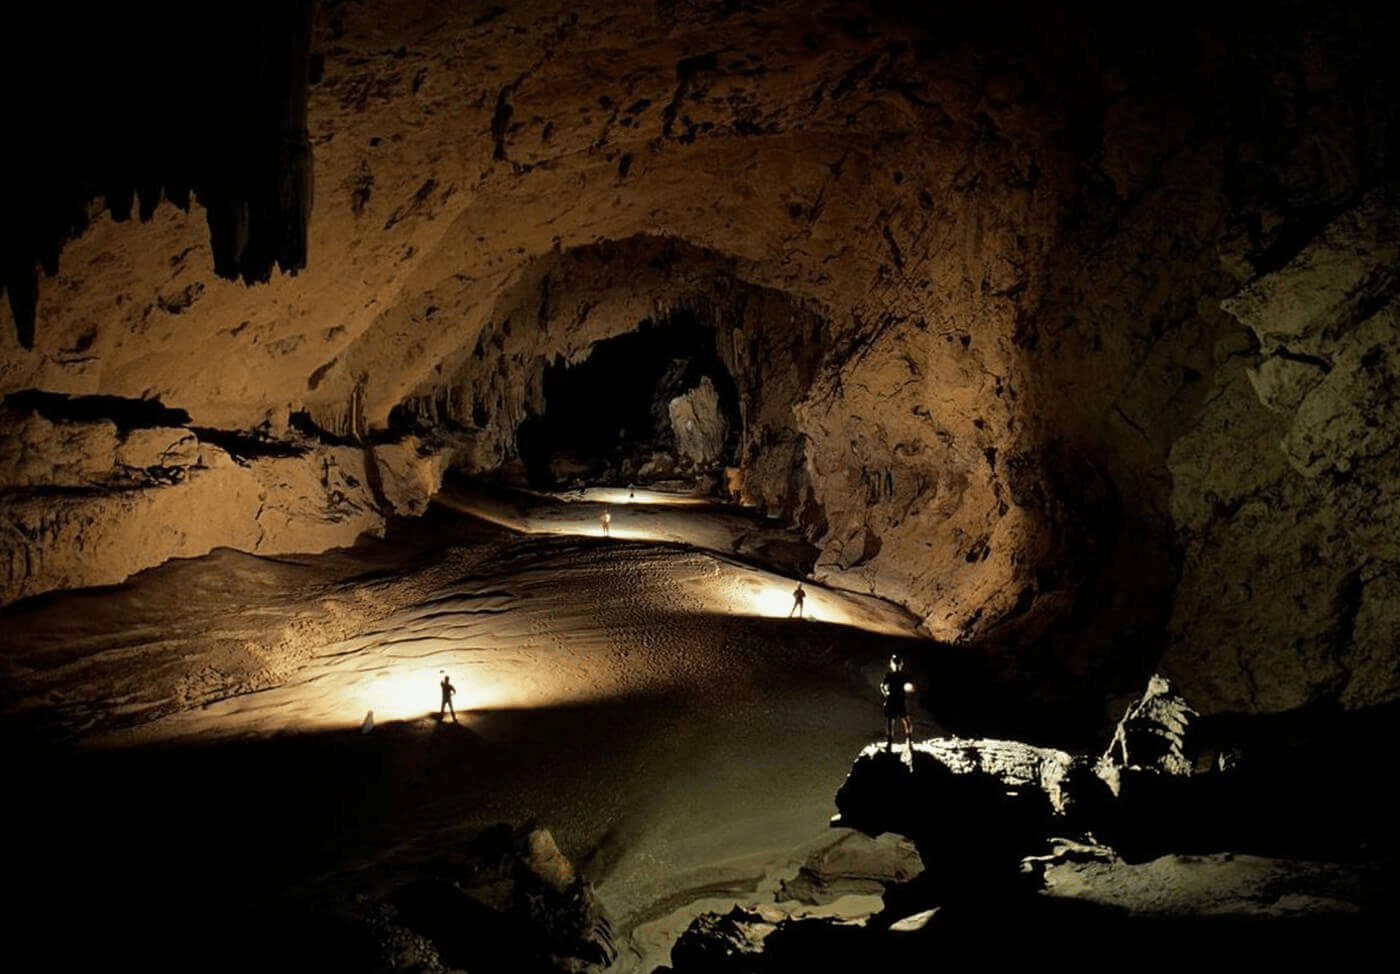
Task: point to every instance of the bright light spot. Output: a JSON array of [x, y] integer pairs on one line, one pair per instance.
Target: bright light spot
[[753, 594], [630, 495], [403, 693]]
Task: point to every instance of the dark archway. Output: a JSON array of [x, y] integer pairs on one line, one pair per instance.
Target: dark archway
[[655, 403]]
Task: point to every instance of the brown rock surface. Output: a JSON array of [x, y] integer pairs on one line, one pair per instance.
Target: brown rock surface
[[1076, 342]]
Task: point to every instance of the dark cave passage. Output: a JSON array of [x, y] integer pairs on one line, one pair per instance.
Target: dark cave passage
[[655, 403]]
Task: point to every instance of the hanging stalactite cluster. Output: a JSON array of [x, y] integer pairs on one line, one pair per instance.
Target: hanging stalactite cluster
[[230, 83]]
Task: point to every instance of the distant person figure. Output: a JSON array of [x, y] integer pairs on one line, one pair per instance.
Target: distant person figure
[[893, 688], [447, 691], [799, 596], [607, 520]]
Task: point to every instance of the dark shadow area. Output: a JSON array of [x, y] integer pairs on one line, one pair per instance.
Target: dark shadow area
[[1306, 783], [605, 416], [1028, 933], [125, 414], [977, 693], [244, 446], [251, 854]]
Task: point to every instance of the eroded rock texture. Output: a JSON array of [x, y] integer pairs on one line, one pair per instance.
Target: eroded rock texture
[[90, 501], [213, 106], [1074, 338], [1158, 732]]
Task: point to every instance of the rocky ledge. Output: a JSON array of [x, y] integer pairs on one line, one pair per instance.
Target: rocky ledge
[[1177, 829], [97, 488]]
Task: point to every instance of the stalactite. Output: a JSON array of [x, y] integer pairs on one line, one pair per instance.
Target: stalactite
[[234, 79]]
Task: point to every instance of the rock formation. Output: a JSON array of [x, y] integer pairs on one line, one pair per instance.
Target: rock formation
[[510, 901], [975, 808], [92, 499], [1156, 733], [996, 823], [215, 109]]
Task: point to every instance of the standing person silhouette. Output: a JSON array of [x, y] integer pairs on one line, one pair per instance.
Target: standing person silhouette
[[447, 691], [607, 520], [799, 596], [893, 688]]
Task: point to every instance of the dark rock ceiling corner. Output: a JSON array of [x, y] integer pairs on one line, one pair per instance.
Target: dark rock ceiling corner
[[1075, 338]]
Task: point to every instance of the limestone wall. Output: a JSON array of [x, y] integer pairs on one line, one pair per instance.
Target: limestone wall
[[87, 504]]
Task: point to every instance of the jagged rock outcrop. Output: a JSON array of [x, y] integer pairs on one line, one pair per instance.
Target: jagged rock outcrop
[[1158, 732], [997, 823], [976, 809], [215, 108], [698, 425], [1285, 491]]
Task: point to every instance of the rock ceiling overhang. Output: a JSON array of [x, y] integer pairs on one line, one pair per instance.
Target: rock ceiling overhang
[[455, 146]]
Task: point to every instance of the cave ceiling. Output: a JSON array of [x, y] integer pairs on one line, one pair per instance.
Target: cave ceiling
[[817, 150]]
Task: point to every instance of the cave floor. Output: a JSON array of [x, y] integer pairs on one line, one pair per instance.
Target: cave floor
[[231, 738], [203, 734]]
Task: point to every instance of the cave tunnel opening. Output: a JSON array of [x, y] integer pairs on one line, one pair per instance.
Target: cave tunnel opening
[[653, 404]]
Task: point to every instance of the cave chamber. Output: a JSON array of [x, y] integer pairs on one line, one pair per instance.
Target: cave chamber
[[1050, 352]]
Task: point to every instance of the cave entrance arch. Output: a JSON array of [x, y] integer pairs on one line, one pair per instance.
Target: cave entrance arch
[[653, 404]]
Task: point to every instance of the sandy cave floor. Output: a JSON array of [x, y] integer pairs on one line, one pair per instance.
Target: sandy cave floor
[[650, 703], [189, 755]]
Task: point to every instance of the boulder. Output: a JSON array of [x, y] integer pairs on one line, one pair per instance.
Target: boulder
[[698, 425], [508, 900]]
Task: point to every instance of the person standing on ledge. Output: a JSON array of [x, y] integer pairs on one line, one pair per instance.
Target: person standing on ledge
[[893, 688], [799, 596], [447, 691], [607, 520]]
